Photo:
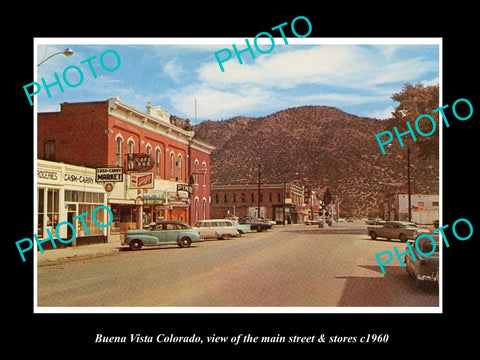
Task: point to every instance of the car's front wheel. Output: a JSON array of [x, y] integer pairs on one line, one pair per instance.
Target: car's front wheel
[[373, 235], [185, 242], [135, 245]]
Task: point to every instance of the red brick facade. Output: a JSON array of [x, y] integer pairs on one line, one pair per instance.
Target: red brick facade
[[101, 134], [242, 200]]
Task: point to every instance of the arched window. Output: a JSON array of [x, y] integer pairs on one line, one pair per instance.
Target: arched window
[[172, 166], [204, 165], [119, 151], [148, 149], [131, 146], [196, 171], [158, 158], [179, 168], [204, 208], [196, 209]]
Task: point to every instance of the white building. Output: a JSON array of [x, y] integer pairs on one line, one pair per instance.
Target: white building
[[64, 192], [425, 208]]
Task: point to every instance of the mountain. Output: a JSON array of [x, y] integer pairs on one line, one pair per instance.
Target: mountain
[[319, 147]]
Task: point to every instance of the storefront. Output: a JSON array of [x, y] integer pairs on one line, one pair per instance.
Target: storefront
[[63, 193], [134, 208]]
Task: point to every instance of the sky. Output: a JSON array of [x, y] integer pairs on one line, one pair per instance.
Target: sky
[[358, 76]]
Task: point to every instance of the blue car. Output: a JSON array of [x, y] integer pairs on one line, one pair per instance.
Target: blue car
[[162, 233]]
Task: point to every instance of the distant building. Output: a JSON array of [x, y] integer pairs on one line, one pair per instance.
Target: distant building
[[424, 207], [275, 199]]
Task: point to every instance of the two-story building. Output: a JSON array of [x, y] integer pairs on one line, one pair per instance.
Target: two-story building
[[165, 168], [277, 201]]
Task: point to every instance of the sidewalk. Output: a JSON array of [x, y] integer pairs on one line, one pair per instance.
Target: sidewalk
[[72, 253]]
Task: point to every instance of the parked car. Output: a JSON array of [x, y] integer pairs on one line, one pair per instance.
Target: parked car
[[161, 233], [425, 269], [394, 230], [242, 228], [256, 224], [376, 221], [216, 228]]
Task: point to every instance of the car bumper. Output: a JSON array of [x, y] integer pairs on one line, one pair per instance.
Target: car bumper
[[433, 277]]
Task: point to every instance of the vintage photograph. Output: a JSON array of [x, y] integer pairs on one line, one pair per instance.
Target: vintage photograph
[[264, 174]]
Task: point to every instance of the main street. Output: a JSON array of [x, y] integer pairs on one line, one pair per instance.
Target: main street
[[295, 265]]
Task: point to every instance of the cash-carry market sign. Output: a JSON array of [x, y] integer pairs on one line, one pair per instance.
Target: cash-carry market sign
[[114, 174]]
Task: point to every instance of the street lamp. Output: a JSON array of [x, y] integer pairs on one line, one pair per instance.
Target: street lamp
[[67, 52]]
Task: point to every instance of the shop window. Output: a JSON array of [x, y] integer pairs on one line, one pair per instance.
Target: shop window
[[92, 227], [50, 210], [40, 211]]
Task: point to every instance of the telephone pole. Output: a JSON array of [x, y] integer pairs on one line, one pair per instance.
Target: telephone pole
[[258, 207]]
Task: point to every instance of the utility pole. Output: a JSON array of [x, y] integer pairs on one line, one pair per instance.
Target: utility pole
[[258, 207], [408, 185]]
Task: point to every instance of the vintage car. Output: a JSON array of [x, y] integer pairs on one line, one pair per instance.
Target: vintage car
[[376, 221], [256, 224], [161, 233], [425, 268], [216, 228], [242, 228], [394, 230]]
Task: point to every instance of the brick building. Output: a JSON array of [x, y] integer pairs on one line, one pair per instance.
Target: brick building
[[242, 200], [110, 133]]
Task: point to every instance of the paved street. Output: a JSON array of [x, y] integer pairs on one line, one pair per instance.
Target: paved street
[[295, 265]]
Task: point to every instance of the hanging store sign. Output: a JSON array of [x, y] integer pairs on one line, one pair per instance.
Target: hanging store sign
[[139, 162], [155, 199], [113, 174], [185, 187], [142, 181]]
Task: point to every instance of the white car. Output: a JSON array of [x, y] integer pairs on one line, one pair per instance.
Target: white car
[[216, 228]]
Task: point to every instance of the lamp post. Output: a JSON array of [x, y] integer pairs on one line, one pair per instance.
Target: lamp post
[[67, 52]]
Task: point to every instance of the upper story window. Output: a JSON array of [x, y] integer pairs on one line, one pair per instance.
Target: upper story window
[[172, 166], [204, 174], [119, 151], [196, 171], [179, 168], [131, 146], [158, 158], [49, 150]]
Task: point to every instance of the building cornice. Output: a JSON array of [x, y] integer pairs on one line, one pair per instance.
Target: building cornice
[[136, 117]]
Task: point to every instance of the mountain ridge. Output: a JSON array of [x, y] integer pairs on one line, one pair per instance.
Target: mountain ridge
[[325, 146]]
